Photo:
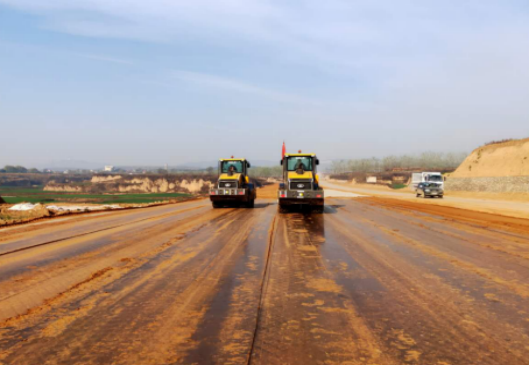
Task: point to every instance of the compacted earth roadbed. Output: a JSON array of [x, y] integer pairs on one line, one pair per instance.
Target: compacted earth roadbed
[[368, 281]]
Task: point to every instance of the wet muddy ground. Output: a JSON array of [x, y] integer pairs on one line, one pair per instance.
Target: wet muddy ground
[[369, 281]]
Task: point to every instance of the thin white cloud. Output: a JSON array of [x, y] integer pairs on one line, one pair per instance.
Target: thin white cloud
[[106, 59], [209, 81], [333, 36], [445, 74], [309, 22], [371, 41]]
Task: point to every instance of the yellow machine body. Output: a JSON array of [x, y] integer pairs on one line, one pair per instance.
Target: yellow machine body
[[300, 186], [233, 188]]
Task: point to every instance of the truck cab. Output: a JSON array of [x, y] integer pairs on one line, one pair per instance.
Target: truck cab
[[233, 186], [427, 177], [300, 184]]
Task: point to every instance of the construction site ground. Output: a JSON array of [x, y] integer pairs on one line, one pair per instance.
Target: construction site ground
[[375, 279]]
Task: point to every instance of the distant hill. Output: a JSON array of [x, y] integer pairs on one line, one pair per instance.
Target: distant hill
[[206, 164], [498, 159], [68, 164]]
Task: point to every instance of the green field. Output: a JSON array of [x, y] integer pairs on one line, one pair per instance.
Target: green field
[[15, 195], [398, 186]]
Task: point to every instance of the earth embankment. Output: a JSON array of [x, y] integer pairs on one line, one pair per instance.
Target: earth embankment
[[495, 168]]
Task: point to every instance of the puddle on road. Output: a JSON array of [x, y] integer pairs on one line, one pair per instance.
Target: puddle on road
[[305, 226], [393, 310], [226, 332]]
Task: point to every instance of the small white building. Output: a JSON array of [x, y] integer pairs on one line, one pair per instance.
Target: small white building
[[371, 179], [108, 168]]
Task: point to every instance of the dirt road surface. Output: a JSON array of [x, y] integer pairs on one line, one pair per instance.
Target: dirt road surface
[[370, 281], [463, 200]]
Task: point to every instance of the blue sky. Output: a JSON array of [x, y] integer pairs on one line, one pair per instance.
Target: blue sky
[[148, 82]]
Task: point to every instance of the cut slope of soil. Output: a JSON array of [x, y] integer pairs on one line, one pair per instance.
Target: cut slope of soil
[[500, 159]]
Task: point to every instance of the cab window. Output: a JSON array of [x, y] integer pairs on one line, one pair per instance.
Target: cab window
[[294, 163], [434, 178], [235, 166]]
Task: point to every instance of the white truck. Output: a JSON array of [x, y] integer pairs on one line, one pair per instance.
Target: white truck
[[433, 177]]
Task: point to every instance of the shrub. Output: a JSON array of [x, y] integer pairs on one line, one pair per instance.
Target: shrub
[[498, 141]]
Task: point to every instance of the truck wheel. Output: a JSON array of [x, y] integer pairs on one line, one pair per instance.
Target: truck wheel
[[250, 204], [216, 205], [318, 209]]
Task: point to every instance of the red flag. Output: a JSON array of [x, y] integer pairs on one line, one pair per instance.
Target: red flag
[[283, 149]]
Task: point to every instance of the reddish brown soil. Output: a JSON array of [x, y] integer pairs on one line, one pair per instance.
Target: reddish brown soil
[[369, 281]]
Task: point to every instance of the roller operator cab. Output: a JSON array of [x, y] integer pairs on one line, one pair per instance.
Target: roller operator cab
[[233, 187], [300, 184]]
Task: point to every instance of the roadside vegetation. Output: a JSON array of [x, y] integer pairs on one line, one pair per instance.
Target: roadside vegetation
[[398, 186], [18, 169], [498, 141], [266, 172], [436, 161], [36, 179], [15, 195]]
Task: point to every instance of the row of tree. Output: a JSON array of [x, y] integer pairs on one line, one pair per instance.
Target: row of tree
[[437, 161], [255, 171], [19, 169], [265, 172]]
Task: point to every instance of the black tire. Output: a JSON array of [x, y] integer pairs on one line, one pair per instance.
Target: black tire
[[319, 209], [216, 205], [250, 204]]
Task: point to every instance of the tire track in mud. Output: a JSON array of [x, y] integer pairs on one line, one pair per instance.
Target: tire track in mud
[[486, 221], [25, 287], [135, 271], [145, 307], [59, 223], [478, 280], [473, 232], [305, 317], [417, 303], [263, 287], [472, 251], [90, 244], [21, 245], [385, 302], [227, 333], [355, 285]]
